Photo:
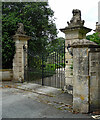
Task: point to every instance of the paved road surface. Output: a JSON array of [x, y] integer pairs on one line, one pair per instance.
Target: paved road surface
[[17, 103]]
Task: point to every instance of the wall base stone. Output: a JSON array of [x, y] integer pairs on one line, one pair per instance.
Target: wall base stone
[[6, 74]]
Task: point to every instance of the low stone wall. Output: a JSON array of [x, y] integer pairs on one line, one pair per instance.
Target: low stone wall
[[6, 74], [94, 73]]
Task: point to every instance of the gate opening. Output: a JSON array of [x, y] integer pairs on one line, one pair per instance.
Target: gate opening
[[46, 69]]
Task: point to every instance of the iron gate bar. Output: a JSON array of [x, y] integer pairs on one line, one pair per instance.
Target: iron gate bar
[[59, 71], [55, 67], [42, 69]]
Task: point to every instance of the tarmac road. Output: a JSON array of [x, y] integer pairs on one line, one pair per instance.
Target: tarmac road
[[17, 103]]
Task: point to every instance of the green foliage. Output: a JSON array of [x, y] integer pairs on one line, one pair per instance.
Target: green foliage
[[56, 44], [94, 37], [53, 67], [50, 67], [38, 22]]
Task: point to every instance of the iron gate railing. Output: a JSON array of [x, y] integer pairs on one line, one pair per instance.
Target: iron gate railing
[[46, 69]]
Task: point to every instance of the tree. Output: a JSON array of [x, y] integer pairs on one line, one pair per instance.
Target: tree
[[94, 37], [38, 21], [56, 44]]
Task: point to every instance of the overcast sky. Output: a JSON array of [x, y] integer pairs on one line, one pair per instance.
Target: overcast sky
[[63, 12]]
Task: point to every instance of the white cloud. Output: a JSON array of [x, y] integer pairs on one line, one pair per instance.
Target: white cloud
[[63, 11]]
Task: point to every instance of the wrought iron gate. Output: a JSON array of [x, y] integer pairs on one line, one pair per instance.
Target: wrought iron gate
[[46, 69]]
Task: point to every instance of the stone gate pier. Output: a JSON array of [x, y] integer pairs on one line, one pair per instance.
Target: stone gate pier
[[73, 32], [86, 76], [84, 56], [18, 62]]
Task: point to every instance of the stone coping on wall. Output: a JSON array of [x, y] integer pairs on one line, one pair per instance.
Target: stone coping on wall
[[5, 70]]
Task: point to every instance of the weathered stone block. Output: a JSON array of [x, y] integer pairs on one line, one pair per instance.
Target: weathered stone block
[[81, 93], [94, 81], [95, 105], [6, 74], [79, 106], [69, 81]]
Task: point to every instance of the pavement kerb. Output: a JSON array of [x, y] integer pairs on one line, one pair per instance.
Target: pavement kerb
[[39, 89], [40, 93], [35, 88]]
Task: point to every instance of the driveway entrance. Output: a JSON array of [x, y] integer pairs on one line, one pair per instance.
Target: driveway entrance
[[47, 68]]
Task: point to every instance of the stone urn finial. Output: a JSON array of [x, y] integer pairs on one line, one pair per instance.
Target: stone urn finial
[[76, 19], [20, 29]]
